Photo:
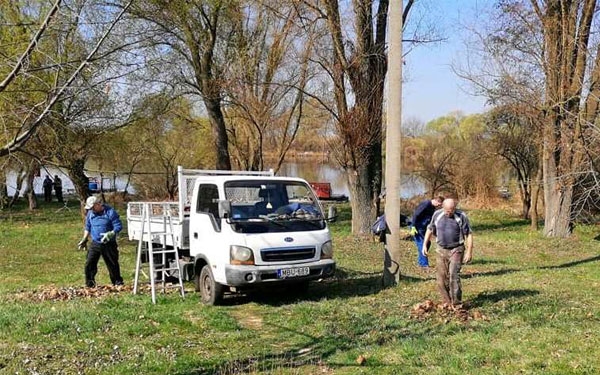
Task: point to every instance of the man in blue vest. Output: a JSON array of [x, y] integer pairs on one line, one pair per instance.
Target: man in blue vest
[[420, 220], [454, 240], [102, 224]]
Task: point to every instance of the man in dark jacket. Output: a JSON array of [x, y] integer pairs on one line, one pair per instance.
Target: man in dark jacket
[[47, 185], [102, 224], [58, 188], [420, 220]]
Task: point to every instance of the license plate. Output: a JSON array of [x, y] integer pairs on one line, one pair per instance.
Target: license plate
[[285, 273]]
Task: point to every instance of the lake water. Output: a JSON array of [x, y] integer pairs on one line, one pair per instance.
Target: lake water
[[310, 171], [67, 184], [326, 172]]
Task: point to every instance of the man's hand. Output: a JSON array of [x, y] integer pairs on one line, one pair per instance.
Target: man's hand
[[413, 231], [467, 256], [107, 236], [82, 244], [424, 250]]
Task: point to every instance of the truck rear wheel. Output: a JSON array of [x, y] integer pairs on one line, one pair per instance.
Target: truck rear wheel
[[211, 292]]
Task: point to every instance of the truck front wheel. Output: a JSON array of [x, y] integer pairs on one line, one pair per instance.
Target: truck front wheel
[[211, 292]]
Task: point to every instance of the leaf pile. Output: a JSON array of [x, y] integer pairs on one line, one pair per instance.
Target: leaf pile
[[53, 293], [445, 312]]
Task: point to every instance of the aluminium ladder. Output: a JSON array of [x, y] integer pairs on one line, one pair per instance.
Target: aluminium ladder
[[145, 243]]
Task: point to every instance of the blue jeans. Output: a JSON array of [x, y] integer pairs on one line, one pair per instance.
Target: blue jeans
[[422, 260]]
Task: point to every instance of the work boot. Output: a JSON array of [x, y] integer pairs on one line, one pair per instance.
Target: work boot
[[90, 284]]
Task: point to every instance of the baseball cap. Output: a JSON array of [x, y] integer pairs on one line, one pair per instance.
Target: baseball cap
[[91, 201]]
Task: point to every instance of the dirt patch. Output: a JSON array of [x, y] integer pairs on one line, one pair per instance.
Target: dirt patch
[[248, 321], [445, 312]]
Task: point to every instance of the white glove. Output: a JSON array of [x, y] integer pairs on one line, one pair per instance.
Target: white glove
[[107, 236]]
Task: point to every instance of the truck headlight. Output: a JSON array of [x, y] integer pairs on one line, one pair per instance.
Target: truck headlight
[[240, 255], [327, 250]]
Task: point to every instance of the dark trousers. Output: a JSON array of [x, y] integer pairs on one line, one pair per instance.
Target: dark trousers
[[448, 265], [110, 254], [58, 193], [48, 195]]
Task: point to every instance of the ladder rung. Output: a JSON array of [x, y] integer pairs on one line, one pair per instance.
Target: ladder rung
[[151, 234], [166, 269], [166, 251], [167, 285]]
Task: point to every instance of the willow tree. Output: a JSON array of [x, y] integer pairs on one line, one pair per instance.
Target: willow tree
[[571, 66], [193, 38], [265, 82], [356, 64], [545, 55]]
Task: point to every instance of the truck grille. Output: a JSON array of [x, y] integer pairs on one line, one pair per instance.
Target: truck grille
[[286, 254]]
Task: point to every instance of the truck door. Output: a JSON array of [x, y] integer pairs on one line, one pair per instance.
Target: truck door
[[205, 224]]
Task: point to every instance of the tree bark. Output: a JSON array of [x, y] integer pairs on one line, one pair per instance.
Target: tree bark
[[535, 196], [76, 172], [219, 130], [30, 191], [362, 209]]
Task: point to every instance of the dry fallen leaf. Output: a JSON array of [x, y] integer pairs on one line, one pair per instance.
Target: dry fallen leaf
[[361, 360]]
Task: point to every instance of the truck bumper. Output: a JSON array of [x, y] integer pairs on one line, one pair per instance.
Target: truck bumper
[[240, 276]]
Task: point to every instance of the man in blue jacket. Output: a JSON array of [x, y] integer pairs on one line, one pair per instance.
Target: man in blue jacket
[[420, 220], [102, 224]]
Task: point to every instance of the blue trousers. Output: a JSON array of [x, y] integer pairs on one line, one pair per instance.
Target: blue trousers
[[422, 260]]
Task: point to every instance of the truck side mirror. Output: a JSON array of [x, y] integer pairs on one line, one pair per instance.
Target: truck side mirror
[[224, 209]]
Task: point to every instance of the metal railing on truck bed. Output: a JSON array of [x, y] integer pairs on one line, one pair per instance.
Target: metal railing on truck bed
[[187, 179], [162, 214]]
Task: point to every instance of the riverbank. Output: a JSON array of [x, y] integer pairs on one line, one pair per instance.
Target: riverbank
[[534, 308]]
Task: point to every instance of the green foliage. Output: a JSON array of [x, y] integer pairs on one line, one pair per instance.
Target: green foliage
[[166, 133], [533, 292], [454, 156]]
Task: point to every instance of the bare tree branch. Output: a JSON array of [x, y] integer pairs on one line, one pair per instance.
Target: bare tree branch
[[31, 47], [21, 139]]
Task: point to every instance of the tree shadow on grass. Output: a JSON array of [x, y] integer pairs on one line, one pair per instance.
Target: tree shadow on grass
[[500, 225], [313, 352], [502, 271], [346, 283], [571, 264], [480, 261], [496, 296]]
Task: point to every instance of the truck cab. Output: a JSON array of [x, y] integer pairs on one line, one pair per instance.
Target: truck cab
[[246, 231]]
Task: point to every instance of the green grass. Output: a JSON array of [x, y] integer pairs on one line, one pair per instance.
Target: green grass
[[540, 298]]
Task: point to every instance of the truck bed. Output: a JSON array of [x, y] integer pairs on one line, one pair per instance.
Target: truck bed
[[163, 217]]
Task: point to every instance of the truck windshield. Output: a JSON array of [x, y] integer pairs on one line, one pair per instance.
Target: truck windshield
[[273, 206]]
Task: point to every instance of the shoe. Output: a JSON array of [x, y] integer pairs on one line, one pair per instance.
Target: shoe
[[118, 283], [90, 284]]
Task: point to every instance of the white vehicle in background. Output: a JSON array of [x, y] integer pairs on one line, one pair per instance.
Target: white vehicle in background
[[239, 230]]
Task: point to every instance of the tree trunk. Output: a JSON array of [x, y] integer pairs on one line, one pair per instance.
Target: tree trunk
[[219, 130], [535, 196], [30, 191], [362, 210], [76, 172], [3, 189], [557, 221], [21, 174], [525, 204], [558, 197]]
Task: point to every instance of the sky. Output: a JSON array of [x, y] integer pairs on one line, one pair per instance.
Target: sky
[[431, 88]]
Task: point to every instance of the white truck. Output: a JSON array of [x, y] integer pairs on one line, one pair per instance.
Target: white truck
[[240, 230]]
